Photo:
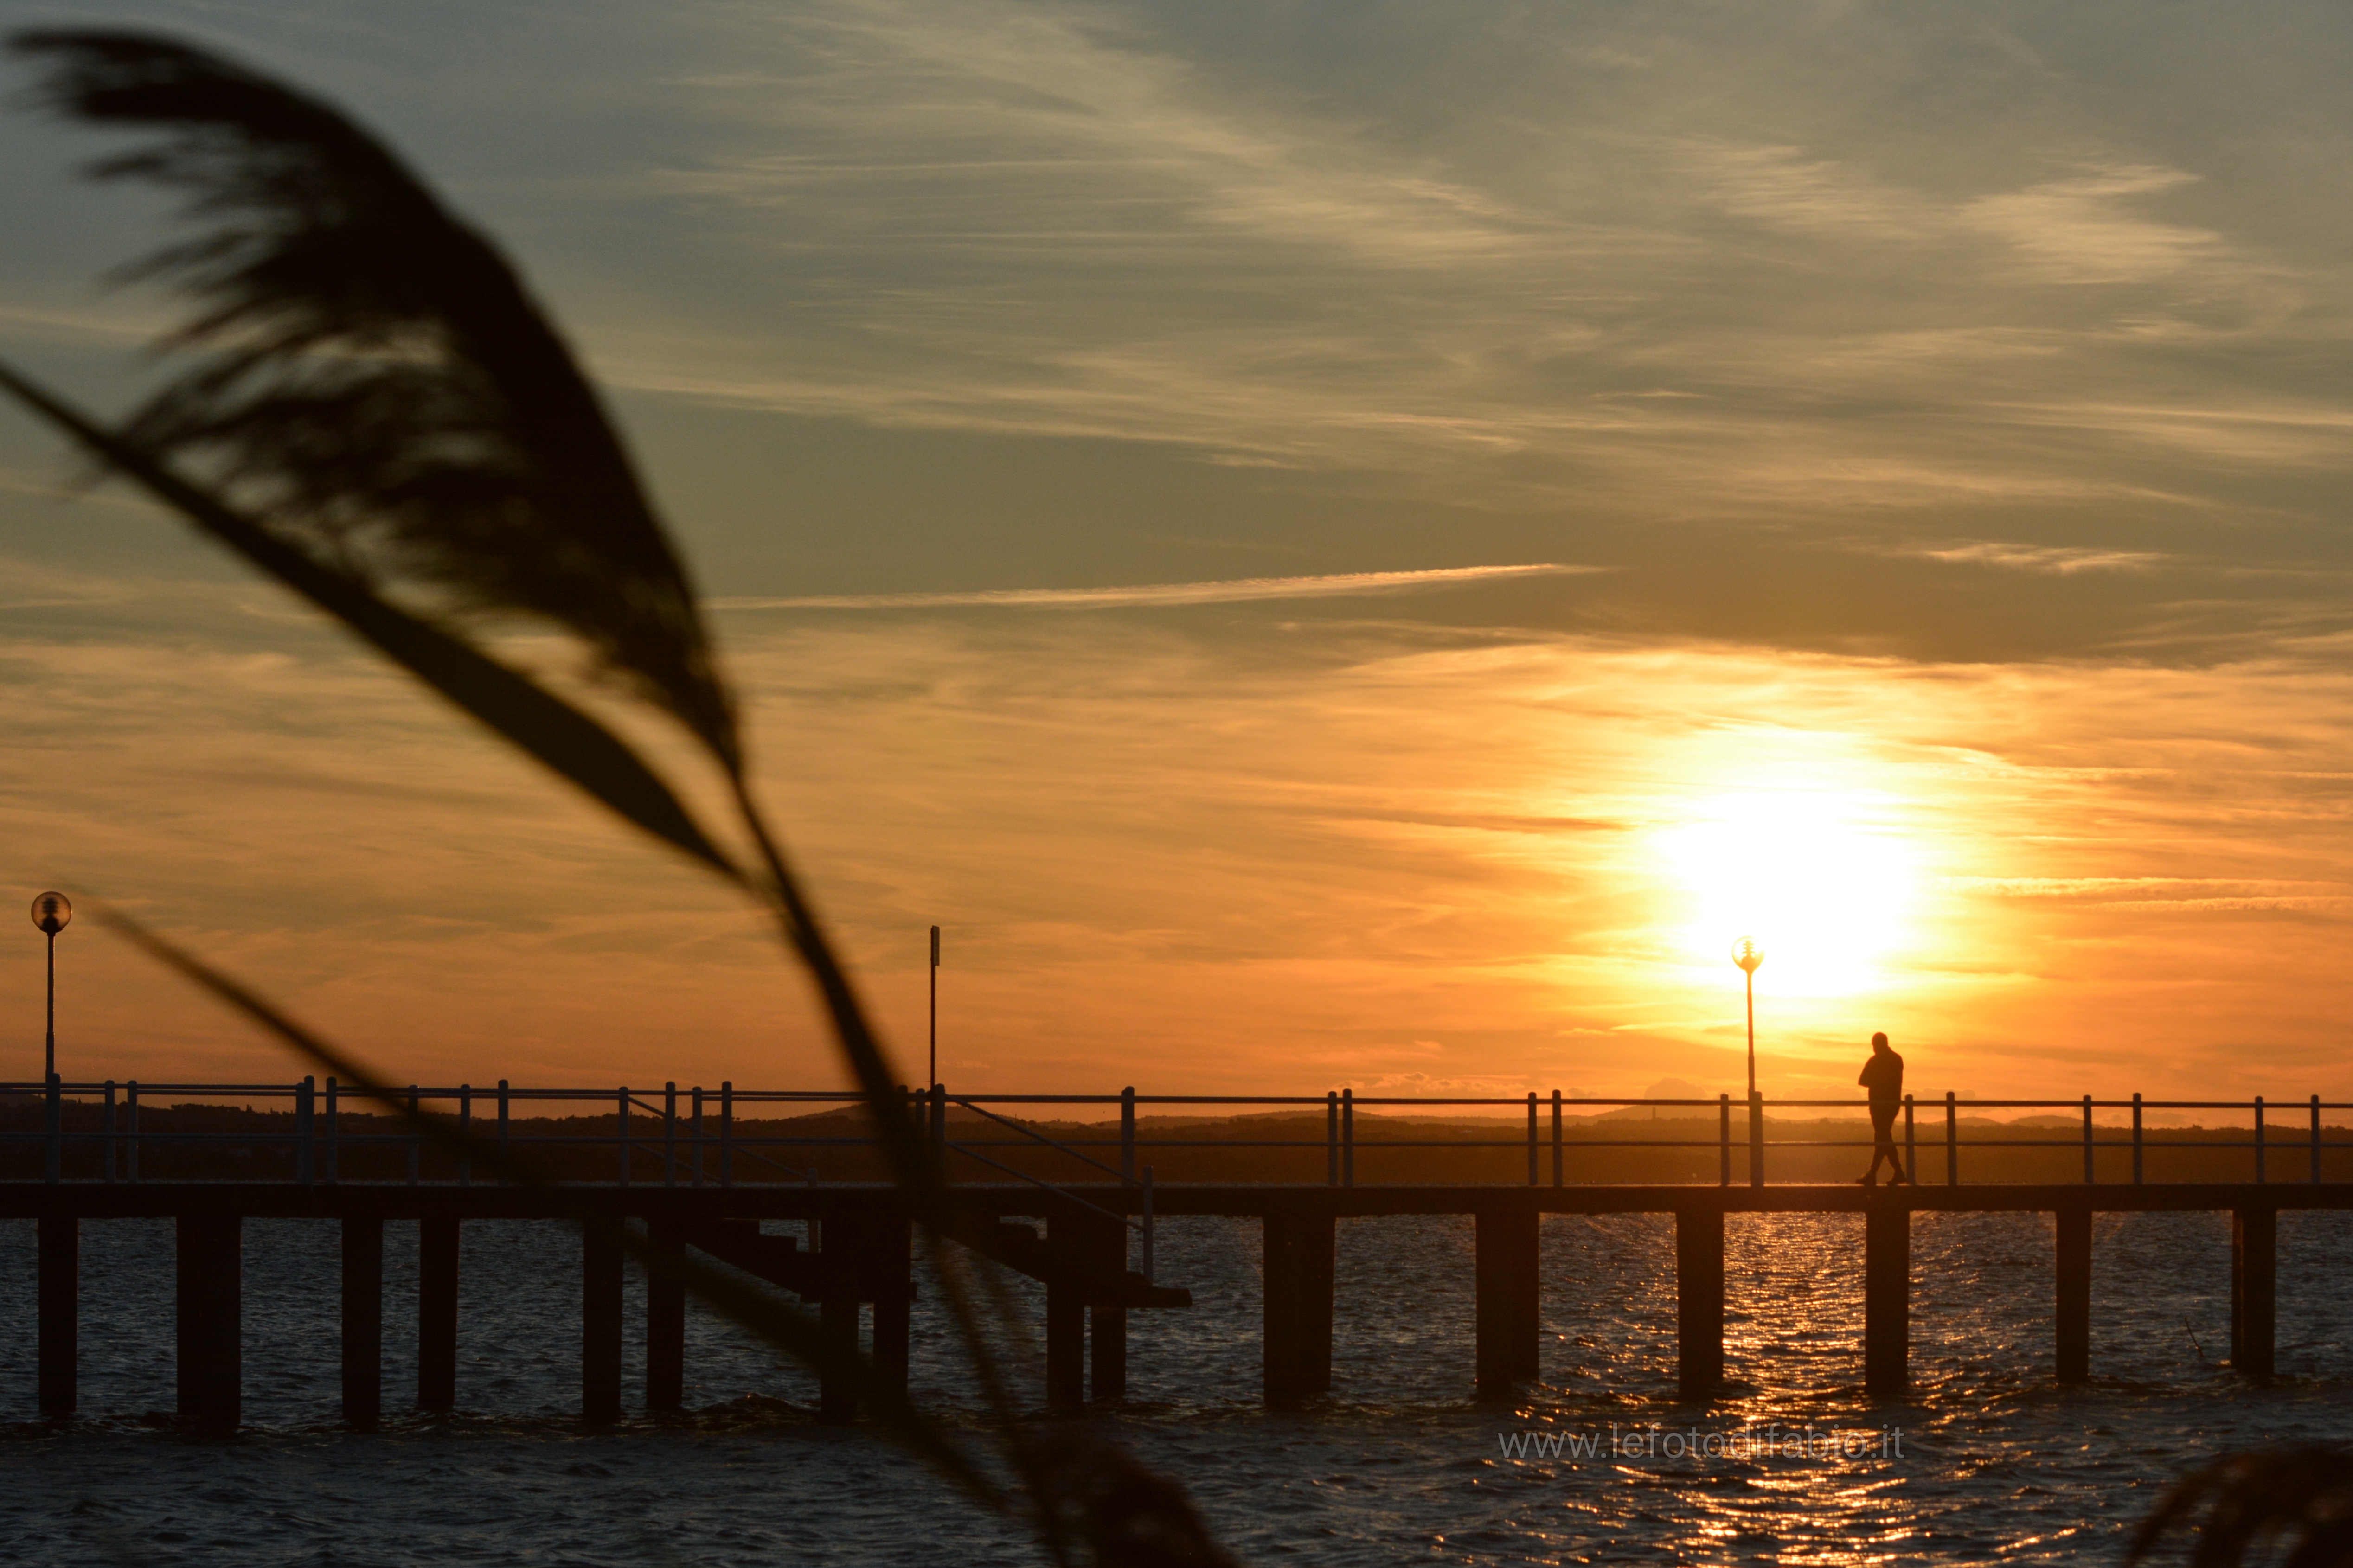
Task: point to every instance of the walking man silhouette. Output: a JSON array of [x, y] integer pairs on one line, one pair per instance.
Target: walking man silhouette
[[1882, 1075]]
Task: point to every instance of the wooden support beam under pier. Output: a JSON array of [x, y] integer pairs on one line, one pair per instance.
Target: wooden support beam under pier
[[1886, 1299], [600, 1321], [1508, 1286], [437, 1312], [1066, 1317], [2072, 1322], [2254, 1289], [362, 1322], [666, 1320], [59, 1246], [1106, 1353], [837, 1399], [1699, 1301], [211, 1258], [1297, 1245], [889, 1248]]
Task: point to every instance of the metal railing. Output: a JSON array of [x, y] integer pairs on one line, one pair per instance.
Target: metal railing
[[697, 1137]]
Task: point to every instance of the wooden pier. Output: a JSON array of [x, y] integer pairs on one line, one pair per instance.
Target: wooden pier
[[1063, 1203]]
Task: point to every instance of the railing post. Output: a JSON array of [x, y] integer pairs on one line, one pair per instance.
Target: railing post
[[1331, 1138], [328, 1139], [2315, 1137], [131, 1131], [53, 1134], [698, 1135], [622, 1123], [412, 1135], [670, 1134], [109, 1131], [2089, 1175], [1952, 1142], [1127, 1133], [1911, 1146], [1756, 1139], [2137, 1141], [1723, 1137], [1148, 1224], [1556, 1138], [503, 1130], [727, 1133], [304, 1126], [1348, 1137], [465, 1132], [1531, 1138], [2260, 1172]]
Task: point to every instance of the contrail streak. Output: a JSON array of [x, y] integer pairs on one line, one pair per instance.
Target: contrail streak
[[1229, 591]]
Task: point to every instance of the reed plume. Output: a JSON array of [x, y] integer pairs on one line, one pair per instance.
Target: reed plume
[[380, 416]]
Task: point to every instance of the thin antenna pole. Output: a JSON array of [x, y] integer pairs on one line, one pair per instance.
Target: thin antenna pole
[[935, 1005]]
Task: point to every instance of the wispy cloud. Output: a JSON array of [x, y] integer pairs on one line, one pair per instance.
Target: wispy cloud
[[1226, 592], [1078, 220], [2063, 560]]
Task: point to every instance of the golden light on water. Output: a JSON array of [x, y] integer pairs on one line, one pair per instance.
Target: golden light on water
[[1820, 878]]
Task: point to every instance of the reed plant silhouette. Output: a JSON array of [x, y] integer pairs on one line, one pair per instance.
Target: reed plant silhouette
[[2291, 1507], [379, 415]]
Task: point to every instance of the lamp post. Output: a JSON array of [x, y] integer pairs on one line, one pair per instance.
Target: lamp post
[[1748, 955], [935, 1006], [50, 913]]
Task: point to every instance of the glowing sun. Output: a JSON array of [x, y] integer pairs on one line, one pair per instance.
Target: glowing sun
[[1824, 887]]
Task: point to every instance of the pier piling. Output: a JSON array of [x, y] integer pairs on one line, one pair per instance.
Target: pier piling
[[1508, 1286], [1699, 1301], [666, 1320], [363, 1320], [58, 1245], [1106, 1353], [836, 1398], [1066, 1319], [890, 1264], [1102, 1245], [1886, 1298], [600, 1321], [2072, 1324], [210, 1339], [2254, 1259], [1297, 1248], [437, 1312]]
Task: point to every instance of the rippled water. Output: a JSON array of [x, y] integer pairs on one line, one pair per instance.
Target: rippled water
[[1997, 1461]]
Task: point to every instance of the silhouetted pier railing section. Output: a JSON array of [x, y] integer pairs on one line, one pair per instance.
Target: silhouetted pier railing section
[[310, 1132]]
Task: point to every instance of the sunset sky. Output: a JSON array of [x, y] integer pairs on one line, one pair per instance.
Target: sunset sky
[[1326, 544]]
